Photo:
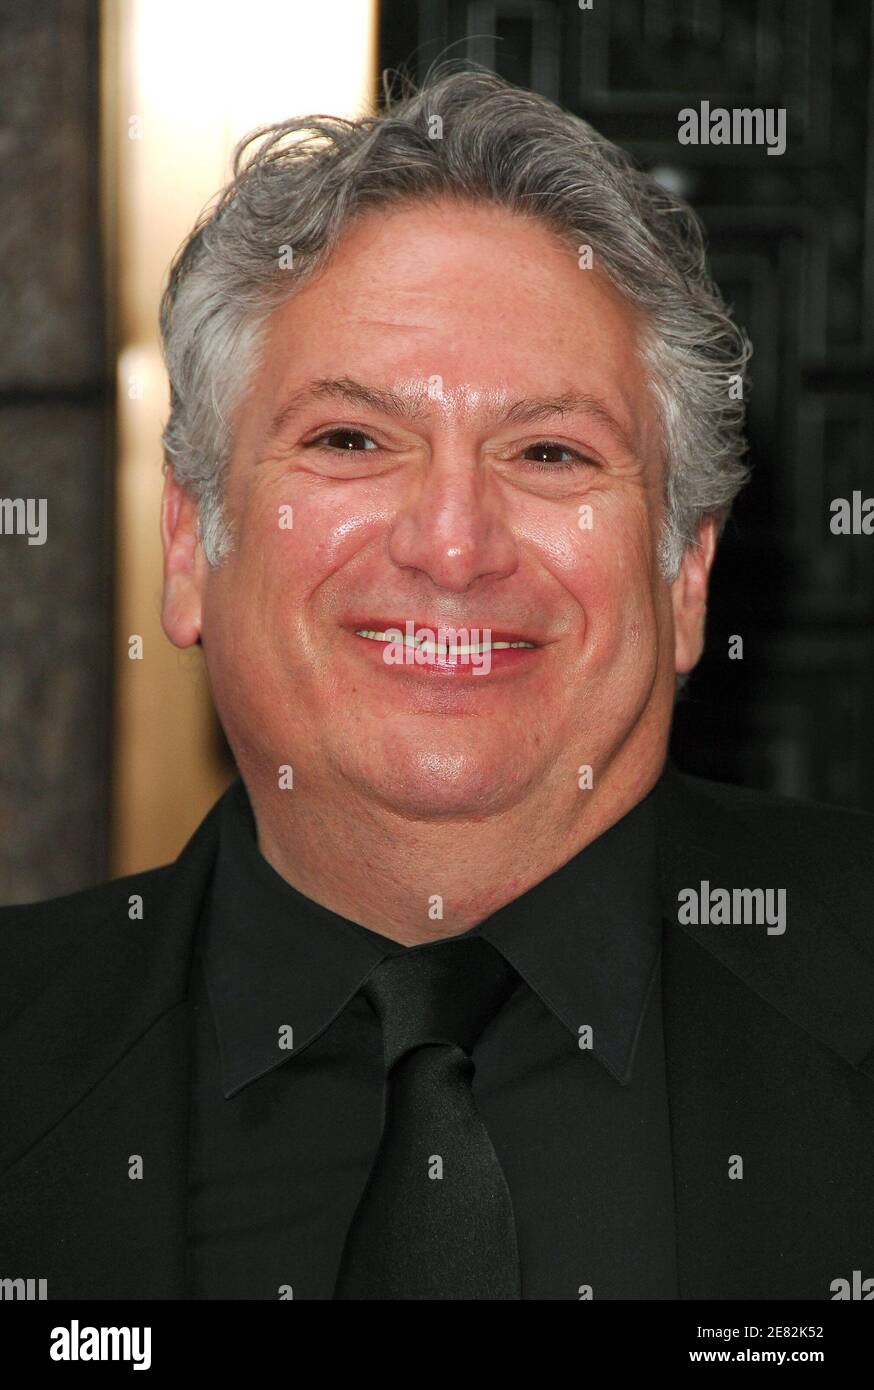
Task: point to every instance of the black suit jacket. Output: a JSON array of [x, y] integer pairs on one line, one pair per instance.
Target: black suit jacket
[[769, 1042]]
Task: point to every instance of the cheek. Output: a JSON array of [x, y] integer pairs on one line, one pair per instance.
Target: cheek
[[612, 580], [297, 534]]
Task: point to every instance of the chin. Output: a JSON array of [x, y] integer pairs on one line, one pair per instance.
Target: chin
[[438, 783]]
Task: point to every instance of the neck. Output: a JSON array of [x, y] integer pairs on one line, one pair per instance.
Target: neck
[[418, 880]]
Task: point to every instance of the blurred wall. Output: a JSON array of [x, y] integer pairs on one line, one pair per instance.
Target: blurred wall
[[55, 444]]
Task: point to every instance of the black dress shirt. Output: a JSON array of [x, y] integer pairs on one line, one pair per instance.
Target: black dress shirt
[[285, 1125]]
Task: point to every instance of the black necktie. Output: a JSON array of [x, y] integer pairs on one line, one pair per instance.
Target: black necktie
[[435, 1219]]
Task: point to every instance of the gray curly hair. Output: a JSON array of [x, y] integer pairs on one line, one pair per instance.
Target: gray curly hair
[[297, 183]]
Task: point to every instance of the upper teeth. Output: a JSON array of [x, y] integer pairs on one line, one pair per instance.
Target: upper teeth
[[425, 645]]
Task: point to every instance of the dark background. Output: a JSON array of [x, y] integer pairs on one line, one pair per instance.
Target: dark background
[[792, 244]]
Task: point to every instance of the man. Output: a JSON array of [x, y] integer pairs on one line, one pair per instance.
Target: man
[[461, 991]]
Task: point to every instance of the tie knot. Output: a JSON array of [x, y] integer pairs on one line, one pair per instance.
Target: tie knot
[[443, 992]]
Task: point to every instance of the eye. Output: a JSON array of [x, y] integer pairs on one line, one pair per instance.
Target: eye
[[342, 433], [355, 441], [552, 465]]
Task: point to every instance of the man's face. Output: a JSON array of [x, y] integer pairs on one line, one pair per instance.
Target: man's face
[[469, 508]]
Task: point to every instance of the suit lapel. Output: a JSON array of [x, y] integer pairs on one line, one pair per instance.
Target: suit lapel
[[105, 1094]]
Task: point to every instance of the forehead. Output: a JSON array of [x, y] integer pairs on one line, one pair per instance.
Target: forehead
[[461, 307]]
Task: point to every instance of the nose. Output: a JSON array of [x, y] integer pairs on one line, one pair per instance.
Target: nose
[[453, 525]]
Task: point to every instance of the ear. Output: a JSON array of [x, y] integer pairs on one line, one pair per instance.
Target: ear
[[689, 597], [184, 565]]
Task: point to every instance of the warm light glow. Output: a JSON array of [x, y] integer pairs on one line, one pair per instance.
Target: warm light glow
[[183, 81], [248, 62]]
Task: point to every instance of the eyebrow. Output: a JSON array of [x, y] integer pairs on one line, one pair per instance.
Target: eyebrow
[[413, 407]]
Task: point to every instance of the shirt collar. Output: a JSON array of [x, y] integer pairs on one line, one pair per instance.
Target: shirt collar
[[586, 939]]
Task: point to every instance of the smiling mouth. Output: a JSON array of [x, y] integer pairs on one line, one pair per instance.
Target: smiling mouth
[[423, 642]]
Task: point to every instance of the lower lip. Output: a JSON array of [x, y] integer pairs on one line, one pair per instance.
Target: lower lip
[[505, 659]]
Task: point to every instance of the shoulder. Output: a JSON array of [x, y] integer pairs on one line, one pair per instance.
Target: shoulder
[[122, 930], [823, 854], [95, 913], [87, 907], [784, 820], [41, 938]]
